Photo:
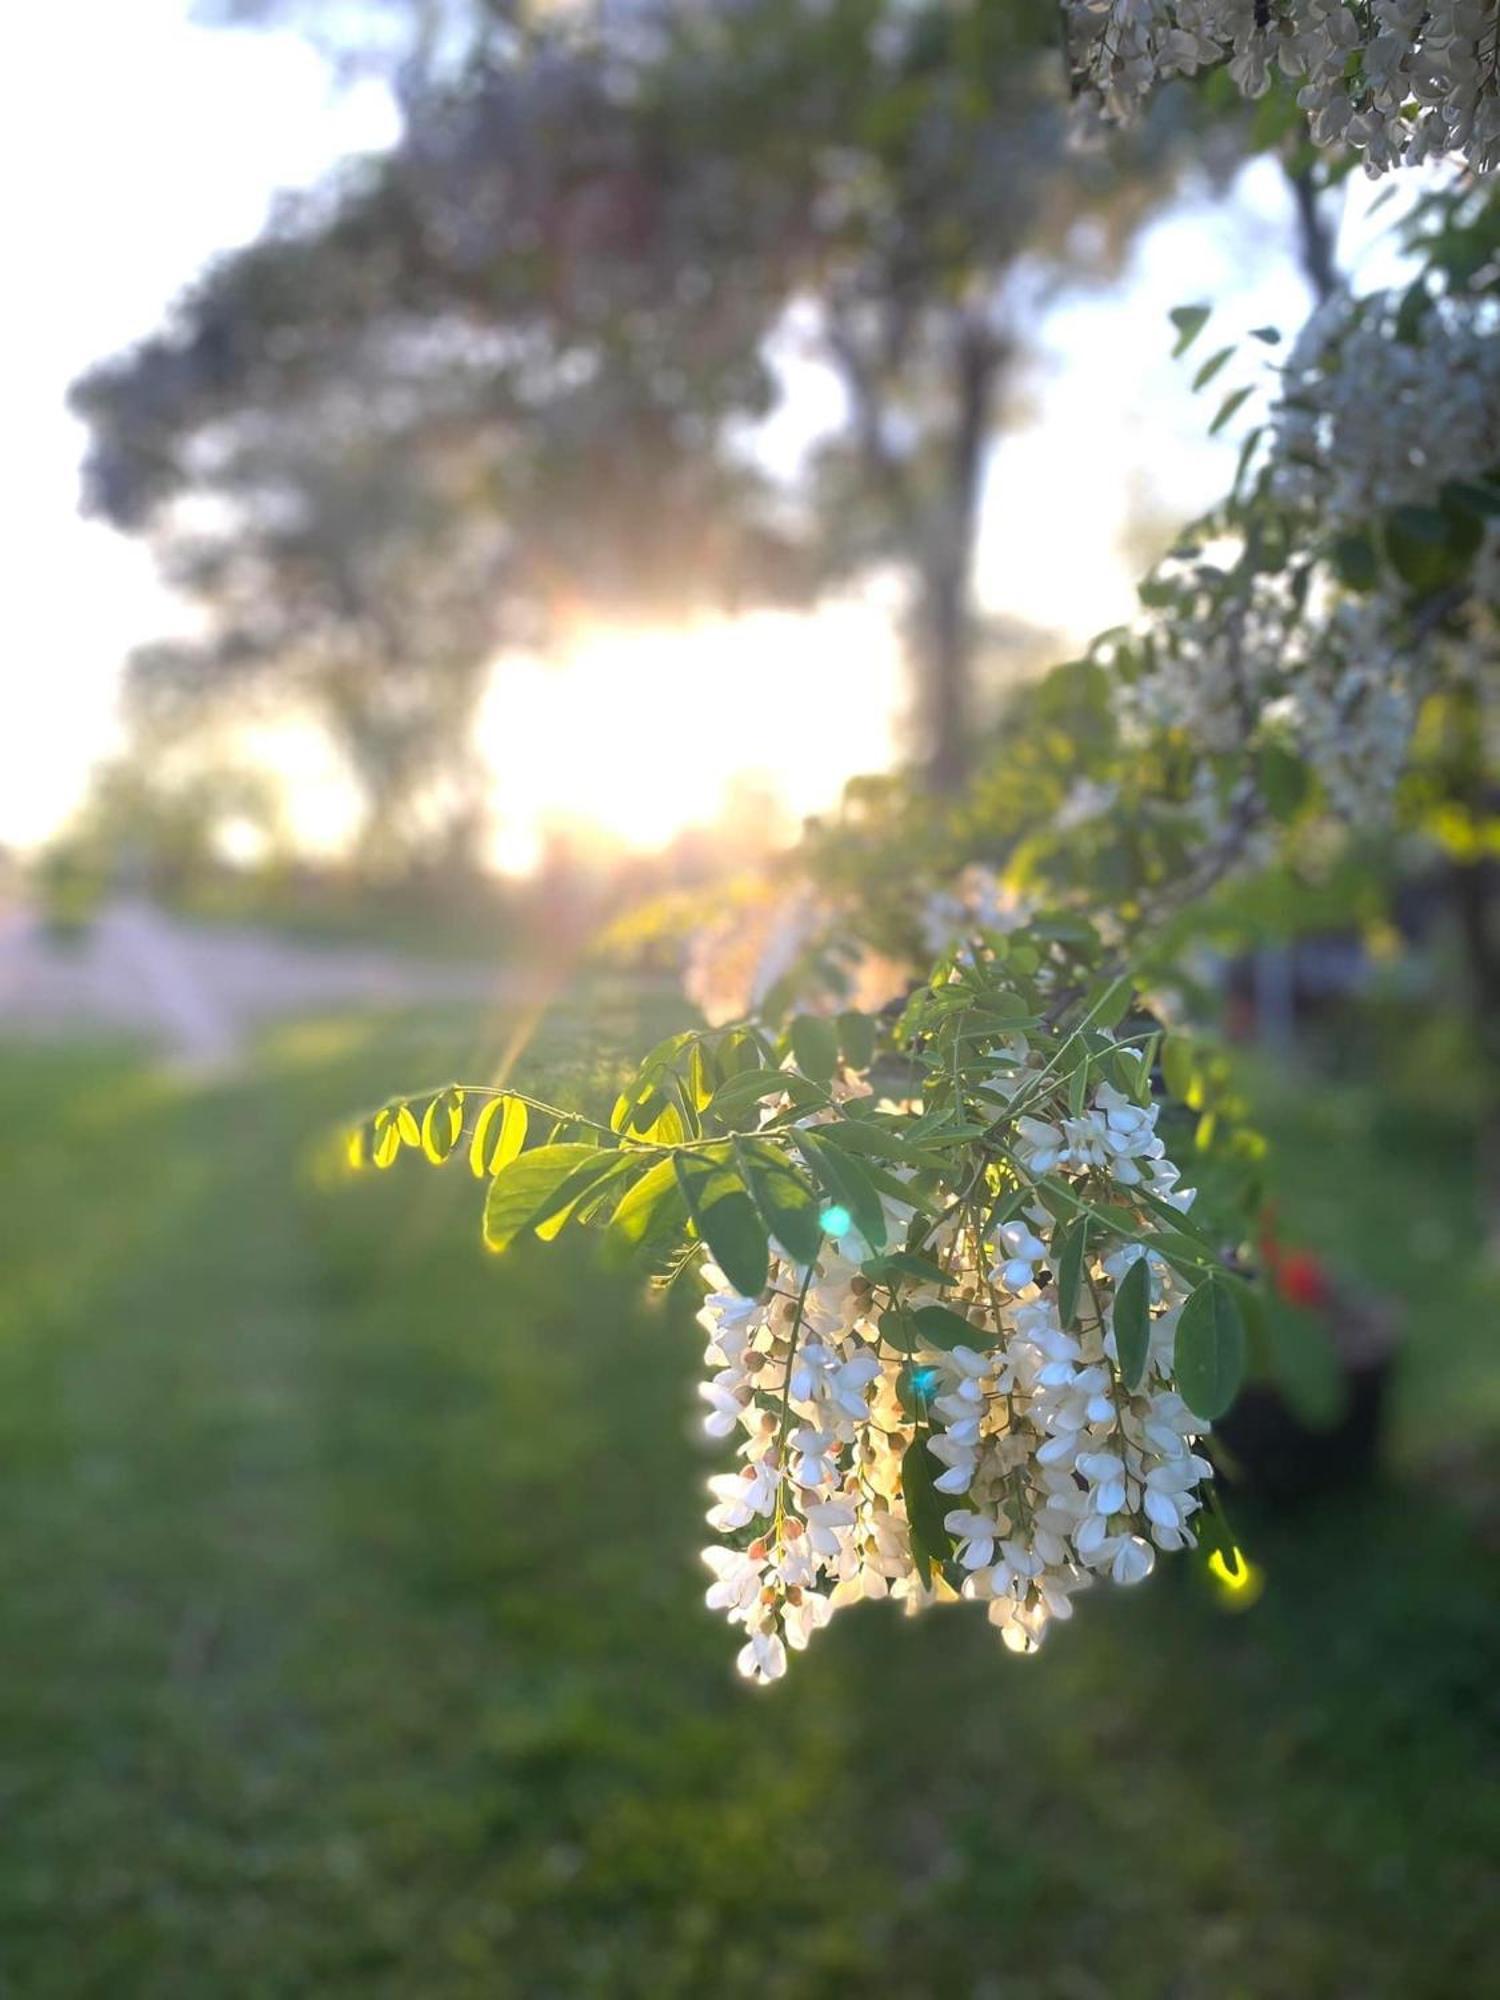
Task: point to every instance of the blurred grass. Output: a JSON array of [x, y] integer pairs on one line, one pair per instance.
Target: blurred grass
[[354, 1638]]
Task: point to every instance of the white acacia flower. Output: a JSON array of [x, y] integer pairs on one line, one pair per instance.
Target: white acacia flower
[[762, 1658], [977, 1536], [737, 1580]]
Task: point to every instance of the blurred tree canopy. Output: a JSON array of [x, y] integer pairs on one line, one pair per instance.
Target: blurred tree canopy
[[507, 376]]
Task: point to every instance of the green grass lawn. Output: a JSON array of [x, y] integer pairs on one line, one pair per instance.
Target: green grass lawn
[[354, 1643]]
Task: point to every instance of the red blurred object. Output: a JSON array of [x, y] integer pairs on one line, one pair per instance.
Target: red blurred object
[[1298, 1275], [1302, 1281]]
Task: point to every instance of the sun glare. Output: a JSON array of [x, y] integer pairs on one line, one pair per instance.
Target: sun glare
[[636, 736]]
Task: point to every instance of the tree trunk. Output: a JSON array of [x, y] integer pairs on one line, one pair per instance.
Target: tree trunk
[[945, 648], [945, 618], [1316, 235]]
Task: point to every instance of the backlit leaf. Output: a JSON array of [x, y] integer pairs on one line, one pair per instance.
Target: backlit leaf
[[650, 1212], [442, 1122], [527, 1188], [586, 1191], [385, 1136], [499, 1135]]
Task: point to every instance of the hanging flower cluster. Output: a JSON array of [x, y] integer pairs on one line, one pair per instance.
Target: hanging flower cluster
[[1383, 404], [1396, 79], [1318, 613], [965, 1335], [1002, 1427]]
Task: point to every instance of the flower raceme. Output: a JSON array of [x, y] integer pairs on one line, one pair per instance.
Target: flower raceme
[[1353, 575], [881, 1455], [1398, 80], [965, 1336]]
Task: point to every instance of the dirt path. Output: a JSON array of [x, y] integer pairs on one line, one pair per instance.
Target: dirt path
[[197, 992]]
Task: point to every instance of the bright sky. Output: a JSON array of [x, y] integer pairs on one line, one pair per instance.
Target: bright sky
[[133, 145]]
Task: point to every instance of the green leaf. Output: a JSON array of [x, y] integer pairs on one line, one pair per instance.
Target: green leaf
[[1227, 409], [499, 1135], [726, 1219], [941, 1326], [1248, 443], [1210, 1349], [925, 1509], [1078, 1089], [1179, 1068], [1354, 561], [651, 1212], [1109, 1003], [815, 1044], [859, 1135], [847, 1182], [857, 1040], [702, 1076], [1419, 548], [528, 1187], [647, 1096], [658, 1120], [1211, 367], [385, 1136], [1465, 524], [1189, 322], [734, 1099], [905, 1264], [1271, 335], [1285, 781], [1004, 1005], [1181, 1223], [1068, 1253], [442, 1122], [1477, 496], [897, 1330], [1132, 1323], [786, 1203], [586, 1191]]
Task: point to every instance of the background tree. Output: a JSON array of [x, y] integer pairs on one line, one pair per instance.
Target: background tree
[[503, 378]]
